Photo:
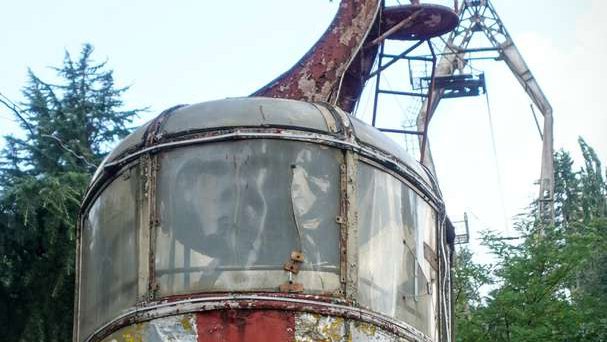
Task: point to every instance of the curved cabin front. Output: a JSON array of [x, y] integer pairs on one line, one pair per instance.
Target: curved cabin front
[[257, 219]]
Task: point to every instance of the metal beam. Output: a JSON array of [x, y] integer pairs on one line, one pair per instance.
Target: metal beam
[[481, 17]]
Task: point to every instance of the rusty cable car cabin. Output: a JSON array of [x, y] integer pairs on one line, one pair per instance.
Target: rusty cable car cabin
[[258, 219]]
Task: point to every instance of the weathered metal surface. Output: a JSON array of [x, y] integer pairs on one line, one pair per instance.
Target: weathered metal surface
[[404, 22], [181, 328], [245, 326], [336, 67], [295, 303], [311, 327], [416, 175], [432, 21], [253, 326], [350, 237], [340, 134], [318, 75]]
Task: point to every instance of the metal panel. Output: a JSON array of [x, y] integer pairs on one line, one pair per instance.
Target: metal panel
[[254, 326], [109, 254], [245, 325], [319, 74], [182, 328], [231, 213], [131, 142], [242, 112]]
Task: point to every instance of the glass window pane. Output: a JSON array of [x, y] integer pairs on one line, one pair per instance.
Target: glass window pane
[[393, 224], [232, 212], [109, 255]]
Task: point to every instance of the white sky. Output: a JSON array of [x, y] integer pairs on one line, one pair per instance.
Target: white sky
[[194, 51]]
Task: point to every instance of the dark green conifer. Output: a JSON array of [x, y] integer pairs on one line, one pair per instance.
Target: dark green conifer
[[68, 126]]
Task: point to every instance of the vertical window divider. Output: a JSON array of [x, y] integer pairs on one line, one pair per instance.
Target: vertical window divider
[[143, 231], [152, 166], [350, 266]]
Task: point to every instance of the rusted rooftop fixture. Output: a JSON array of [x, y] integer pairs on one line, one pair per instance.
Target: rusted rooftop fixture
[[336, 68]]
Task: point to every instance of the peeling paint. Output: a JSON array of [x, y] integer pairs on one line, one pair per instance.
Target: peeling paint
[[172, 328], [366, 328], [311, 327], [133, 333], [165, 329], [317, 76], [252, 324], [340, 62]]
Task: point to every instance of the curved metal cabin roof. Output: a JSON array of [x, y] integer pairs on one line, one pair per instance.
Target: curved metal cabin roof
[[223, 116]]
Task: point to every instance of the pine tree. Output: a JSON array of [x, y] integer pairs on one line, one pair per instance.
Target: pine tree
[[68, 126]]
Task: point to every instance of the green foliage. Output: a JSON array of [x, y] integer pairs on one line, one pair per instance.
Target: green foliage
[[68, 127], [551, 284], [468, 280]]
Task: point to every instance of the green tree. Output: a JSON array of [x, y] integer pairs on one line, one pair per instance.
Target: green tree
[[549, 287], [68, 127], [468, 279]]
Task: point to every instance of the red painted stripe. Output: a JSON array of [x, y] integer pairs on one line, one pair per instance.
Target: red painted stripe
[[245, 325]]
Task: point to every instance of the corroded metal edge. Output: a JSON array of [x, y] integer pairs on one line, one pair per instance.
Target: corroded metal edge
[[257, 302], [319, 73], [393, 163], [338, 64]]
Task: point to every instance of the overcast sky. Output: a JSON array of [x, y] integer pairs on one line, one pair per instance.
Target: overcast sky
[[193, 51]]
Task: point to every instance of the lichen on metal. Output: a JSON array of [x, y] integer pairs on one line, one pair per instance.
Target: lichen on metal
[[311, 327], [314, 327], [167, 329]]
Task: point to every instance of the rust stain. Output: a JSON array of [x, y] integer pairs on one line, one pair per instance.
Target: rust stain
[[317, 76], [335, 69]]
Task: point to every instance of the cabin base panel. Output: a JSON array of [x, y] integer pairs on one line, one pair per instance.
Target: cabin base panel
[[252, 326]]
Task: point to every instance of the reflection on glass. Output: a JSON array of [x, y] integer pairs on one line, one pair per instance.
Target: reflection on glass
[[393, 224], [231, 214], [109, 255]]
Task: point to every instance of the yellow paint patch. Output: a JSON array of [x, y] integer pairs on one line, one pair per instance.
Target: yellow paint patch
[[332, 329], [133, 333], [187, 324], [366, 328]]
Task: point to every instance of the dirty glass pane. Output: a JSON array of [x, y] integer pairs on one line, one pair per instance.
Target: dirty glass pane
[[108, 283], [232, 212], [393, 223]]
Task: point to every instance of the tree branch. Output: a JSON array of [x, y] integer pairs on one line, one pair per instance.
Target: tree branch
[[17, 111]]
